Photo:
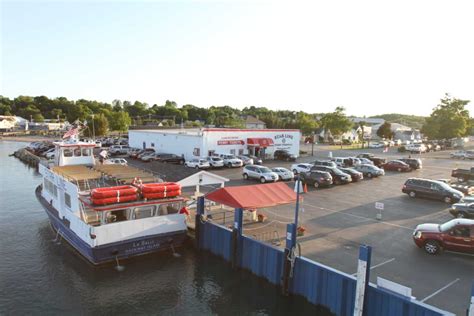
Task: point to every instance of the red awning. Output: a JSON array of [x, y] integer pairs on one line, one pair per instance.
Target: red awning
[[260, 142], [254, 196]]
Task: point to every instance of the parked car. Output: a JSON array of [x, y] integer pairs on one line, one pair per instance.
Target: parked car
[[283, 173], [364, 161], [261, 173], [369, 171], [231, 161], [256, 160], [317, 178], [245, 160], [283, 155], [462, 210], [376, 145], [136, 154], [118, 149], [433, 189], [301, 167], [414, 163], [466, 187], [49, 151], [463, 174], [338, 177], [375, 160], [455, 235], [327, 163], [171, 158], [459, 154], [342, 161], [148, 156], [416, 148], [355, 175], [215, 162], [133, 152], [116, 161], [50, 155], [197, 163], [396, 165]]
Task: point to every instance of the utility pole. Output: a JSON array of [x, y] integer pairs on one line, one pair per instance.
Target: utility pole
[[312, 143], [93, 128]]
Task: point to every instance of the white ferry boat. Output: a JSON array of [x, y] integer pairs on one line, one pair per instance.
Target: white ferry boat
[[102, 213]]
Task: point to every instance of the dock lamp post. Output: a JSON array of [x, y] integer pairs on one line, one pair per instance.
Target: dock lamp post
[[289, 253]]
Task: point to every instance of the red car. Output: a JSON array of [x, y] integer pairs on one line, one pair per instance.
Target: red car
[[396, 165], [455, 235]]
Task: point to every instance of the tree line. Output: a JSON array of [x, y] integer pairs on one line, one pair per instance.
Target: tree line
[[449, 119]]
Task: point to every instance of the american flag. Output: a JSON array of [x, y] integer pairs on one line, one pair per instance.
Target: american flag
[[72, 132]]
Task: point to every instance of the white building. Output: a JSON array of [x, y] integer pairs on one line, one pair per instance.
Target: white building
[[204, 142]]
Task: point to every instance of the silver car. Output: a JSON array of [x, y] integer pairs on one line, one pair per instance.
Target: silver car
[[283, 173], [246, 160], [263, 174]]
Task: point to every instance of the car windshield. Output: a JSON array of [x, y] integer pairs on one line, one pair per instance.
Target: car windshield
[[265, 170], [444, 185], [447, 226]]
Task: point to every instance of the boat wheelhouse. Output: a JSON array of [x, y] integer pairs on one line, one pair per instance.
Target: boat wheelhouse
[[109, 212]]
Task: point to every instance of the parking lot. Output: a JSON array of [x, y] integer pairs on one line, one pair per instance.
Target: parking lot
[[340, 218]]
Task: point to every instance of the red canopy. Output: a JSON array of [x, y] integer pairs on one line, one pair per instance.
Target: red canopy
[[261, 142], [254, 196]]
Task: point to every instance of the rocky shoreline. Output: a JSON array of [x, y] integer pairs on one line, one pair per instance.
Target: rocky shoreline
[[27, 157]]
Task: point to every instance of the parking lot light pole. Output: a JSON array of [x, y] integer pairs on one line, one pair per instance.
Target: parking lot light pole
[[312, 143]]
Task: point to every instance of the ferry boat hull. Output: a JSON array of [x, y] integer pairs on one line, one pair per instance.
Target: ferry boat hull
[[110, 252]]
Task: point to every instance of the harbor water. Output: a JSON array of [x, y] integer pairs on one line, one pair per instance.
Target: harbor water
[[41, 276]]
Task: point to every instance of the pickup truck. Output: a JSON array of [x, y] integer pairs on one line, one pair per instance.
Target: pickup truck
[[463, 174]]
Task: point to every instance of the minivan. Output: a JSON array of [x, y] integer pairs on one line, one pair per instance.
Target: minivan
[[432, 189]]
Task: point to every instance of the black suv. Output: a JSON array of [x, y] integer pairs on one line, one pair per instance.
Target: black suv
[[338, 177], [376, 160], [432, 189], [316, 178], [171, 158], [283, 155], [414, 163]]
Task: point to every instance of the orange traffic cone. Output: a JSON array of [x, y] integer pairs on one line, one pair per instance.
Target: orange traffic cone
[[305, 188]]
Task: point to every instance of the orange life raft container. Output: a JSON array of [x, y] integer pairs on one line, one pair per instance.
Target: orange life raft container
[[160, 190], [109, 195]]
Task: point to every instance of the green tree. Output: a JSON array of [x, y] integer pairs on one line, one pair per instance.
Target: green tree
[[337, 122], [37, 117], [385, 131], [306, 123], [449, 119], [96, 126], [119, 121]]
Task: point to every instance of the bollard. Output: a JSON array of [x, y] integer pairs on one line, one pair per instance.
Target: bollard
[[363, 276], [470, 311], [236, 234]]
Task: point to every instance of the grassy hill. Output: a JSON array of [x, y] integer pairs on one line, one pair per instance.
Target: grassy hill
[[408, 120]]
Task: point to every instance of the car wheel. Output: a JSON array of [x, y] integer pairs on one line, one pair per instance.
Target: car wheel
[[369, 175], [399, 169], [412, 194], [461, 215], [316, 184], [246, 176], [262, 180], [229, 165], [447, 199], [196, 167], [432, 247]]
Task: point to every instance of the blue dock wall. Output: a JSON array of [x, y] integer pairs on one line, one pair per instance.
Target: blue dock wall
[[319, 284]]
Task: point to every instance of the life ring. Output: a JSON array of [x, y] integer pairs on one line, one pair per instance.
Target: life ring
[[160, 187], [161, 195], [112, 200], [109, 192]]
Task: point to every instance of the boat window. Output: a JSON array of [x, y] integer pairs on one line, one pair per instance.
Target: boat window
[[67, 200], [162, 210], [143, 212], [67, 152], [173, 208], [77, 151], [86, 151], [115, 216], [50, 187]]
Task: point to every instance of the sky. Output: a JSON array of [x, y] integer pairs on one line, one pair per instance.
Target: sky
[[371, 57]]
